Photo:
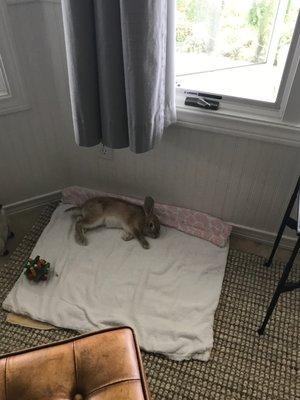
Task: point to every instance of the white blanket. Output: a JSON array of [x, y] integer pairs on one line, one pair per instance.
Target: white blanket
[[168, 293]]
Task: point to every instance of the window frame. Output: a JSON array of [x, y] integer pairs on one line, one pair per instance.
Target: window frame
[[16, 99], [255, 118]]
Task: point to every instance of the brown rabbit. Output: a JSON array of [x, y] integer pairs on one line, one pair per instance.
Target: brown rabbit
[[136, 221]]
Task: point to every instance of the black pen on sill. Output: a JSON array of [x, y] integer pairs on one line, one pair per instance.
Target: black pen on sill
[[202, 94], [206, 103]]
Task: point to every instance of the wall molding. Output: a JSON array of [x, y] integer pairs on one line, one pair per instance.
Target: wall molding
[[237, 231], [264, 131], [32, 202], [261, 236], [16, 2], [16, 99]]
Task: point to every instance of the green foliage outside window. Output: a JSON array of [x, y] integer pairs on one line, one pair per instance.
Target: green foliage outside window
[[237, 29]]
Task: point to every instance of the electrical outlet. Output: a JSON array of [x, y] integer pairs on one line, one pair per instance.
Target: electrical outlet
[[106, 152]]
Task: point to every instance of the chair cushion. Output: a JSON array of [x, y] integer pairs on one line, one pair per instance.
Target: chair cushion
[[103, 365]]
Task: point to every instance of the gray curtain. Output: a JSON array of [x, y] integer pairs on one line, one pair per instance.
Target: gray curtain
[[120, 56]]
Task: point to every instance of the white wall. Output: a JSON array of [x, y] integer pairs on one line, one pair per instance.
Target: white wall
[[244, 181]]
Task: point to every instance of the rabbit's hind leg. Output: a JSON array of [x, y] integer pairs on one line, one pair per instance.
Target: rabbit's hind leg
[[79, 233], [82, 225]]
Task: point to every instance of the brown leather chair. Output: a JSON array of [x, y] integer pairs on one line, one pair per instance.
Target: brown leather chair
[[105, 365]]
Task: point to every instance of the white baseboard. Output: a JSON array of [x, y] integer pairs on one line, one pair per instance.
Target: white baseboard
[[33, 202], [287, 242], [237, 231]]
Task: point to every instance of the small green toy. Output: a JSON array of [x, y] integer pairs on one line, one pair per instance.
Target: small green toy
[[36, 269]]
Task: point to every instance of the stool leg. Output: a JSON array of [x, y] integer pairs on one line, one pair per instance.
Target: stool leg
[[280, 287], [283, 223]]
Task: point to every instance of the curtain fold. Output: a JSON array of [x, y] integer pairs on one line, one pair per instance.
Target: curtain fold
[[120, 57]]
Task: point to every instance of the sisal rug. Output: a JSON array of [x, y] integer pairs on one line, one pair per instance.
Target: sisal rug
[[243, 365]]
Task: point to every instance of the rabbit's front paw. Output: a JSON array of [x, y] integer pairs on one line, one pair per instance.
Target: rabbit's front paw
[[127, 236], [146, 245]]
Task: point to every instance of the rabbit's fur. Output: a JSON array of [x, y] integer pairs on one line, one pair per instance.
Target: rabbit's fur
[[136, 221], [4, 232]]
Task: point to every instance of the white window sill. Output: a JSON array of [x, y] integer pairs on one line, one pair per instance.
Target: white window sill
[[268, 127]]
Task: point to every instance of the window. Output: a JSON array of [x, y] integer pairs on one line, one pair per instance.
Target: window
[[232, 47], [3, 81], [12, 94], [241, 54]]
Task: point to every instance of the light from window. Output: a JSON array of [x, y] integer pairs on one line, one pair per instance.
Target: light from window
[[234, 47], [3, 82]]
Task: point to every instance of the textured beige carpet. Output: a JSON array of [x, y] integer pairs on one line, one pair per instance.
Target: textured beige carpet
[[243, 365]]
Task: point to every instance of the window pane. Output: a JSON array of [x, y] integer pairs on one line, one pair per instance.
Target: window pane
[[233, 47]]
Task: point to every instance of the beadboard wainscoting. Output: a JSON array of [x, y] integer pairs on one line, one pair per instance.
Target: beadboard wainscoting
[[244, 181]]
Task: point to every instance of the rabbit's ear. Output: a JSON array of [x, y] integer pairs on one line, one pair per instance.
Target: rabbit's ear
[[148, 205]]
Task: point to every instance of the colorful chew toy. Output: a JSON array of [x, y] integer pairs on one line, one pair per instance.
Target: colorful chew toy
[[36, 269]]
